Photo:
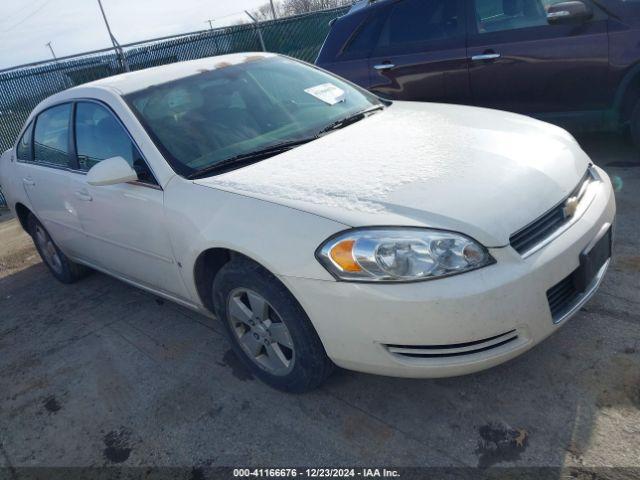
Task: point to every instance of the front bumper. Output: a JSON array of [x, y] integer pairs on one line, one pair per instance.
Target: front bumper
[[456, 325]]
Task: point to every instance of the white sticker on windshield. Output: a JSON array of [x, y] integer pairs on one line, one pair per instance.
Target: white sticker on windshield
[[328, 93]]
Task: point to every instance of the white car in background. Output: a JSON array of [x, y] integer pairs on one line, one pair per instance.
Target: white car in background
[[321, 225]]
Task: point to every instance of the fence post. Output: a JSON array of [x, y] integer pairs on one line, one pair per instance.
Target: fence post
[[3, 201], [257, 27]]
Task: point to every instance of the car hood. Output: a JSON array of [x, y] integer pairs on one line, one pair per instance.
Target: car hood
[[485, 173]]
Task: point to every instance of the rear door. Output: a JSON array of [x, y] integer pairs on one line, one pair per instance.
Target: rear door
[[421, 52], [352, 61], [44, 158], [522, 64]]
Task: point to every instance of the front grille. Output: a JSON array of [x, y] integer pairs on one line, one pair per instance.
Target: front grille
[[562, 297], [534, 233], [453, 350]]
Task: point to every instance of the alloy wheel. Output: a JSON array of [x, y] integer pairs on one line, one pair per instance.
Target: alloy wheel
[[260, 331], [48, 249]]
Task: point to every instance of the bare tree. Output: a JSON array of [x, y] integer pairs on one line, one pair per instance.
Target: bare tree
[[296, 7], [264, 12], [285, 8]]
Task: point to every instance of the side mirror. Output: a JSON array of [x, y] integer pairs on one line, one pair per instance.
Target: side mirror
[[111, 171], [567, 12]]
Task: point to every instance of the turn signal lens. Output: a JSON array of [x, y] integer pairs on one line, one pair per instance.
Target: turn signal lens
[[342, 255]]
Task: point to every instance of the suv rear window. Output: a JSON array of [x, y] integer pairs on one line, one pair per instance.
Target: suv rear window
[[367, 35]]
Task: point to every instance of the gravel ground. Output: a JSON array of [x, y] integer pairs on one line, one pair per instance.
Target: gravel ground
[[100, 373]]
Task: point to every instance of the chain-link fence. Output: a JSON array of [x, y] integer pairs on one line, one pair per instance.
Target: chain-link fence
[[22, 88]]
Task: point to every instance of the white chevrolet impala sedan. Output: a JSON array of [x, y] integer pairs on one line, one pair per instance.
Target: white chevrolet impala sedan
[[320, 224]]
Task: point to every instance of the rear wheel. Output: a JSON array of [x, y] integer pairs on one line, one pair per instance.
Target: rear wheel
[[268, 329], [57, 262]]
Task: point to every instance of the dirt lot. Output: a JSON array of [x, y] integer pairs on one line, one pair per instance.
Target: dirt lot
[[100, 373]]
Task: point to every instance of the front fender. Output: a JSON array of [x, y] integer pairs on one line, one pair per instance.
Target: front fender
[[281, 239]]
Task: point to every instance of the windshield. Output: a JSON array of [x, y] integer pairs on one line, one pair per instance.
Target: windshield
[[235, 110]]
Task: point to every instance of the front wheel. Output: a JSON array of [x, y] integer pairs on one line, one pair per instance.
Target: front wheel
[[57, 262], [268, 329]]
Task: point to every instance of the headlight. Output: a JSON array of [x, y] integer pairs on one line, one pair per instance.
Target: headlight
[[400, 254]]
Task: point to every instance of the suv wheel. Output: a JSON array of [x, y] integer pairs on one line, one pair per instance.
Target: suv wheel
[[268, 329], [57, 262]]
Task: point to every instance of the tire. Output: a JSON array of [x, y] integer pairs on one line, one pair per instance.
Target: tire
[[63, 269], [635, 125], [263, 346]]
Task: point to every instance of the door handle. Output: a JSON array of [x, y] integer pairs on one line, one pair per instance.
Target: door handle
[[485, 56], [384, 66], [28, 181], [84, 196]]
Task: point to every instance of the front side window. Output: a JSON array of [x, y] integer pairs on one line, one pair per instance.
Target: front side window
[[499, 15], [99, 136], [23, 151], [416, 21], [51, 136], [242, 109]]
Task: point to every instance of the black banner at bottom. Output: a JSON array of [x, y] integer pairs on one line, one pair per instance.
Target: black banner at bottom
[[205, 473]]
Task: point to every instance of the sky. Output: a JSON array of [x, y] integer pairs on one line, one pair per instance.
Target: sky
[[76, 26]]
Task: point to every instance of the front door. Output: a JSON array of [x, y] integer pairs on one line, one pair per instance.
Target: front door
[[420, 53], [124, 223], [521, 63]]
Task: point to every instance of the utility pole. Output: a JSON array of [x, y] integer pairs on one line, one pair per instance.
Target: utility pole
[[273, 10], [115, 43], [215, 37], [257, 27], [52, 52]]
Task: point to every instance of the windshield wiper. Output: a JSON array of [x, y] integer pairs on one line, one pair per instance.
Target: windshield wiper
[[247, 158], [344, 122]]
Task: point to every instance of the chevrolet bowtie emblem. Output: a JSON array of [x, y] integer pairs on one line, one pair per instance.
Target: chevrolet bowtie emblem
[[570, 207]]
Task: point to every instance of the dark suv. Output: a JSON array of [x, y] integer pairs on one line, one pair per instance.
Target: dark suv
[[573, 63]]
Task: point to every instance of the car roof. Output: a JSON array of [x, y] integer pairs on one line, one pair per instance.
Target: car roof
[[126, 83]]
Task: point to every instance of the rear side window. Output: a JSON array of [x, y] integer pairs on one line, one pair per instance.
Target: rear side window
[[99, 136], [367, 35], [417, 21], [23, 151], [51, 136]]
